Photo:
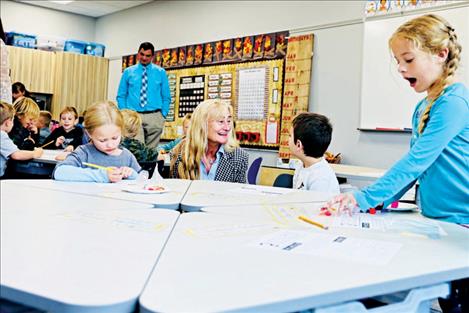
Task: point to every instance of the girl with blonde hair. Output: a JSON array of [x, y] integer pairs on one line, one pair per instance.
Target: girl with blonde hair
[[210, 150], [427, 53], [101, 160], [24, 133]]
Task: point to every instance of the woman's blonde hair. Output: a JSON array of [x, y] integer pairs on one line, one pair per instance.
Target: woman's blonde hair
[[132, 123], [103, 113], [195, 145], [186, 118], [26, 107], [431, 33]]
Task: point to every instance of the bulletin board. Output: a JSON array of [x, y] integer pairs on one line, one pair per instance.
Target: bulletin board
[[254, 89]]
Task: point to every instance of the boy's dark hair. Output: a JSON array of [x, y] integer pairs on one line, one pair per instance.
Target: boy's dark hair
[[147, 46], [314, 131]]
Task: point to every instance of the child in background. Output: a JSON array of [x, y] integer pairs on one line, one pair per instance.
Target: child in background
[[81, 123], [104, 124], [24, 132], [165, 148], [67, 136], [19, 91], [132, 125], [7, 148], [43, 124], [310, 135], [428, 53]]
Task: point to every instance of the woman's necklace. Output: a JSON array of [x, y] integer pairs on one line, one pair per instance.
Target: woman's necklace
[[209, 160]]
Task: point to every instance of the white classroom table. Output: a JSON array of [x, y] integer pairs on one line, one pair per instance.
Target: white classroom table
[[213, 260], [49, 156], [68, 252], [202, 193], [168, 200], [357, 172]]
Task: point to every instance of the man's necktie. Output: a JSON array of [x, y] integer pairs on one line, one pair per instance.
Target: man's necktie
[[143, 91]]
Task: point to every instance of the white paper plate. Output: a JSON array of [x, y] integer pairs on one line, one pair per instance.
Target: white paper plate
[[404, 207], [143, 189]]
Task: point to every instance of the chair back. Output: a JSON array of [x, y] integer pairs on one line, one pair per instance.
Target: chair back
[[284, 180], [254, 170]]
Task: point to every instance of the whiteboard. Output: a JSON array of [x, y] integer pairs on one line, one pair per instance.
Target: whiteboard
[[387, 100]]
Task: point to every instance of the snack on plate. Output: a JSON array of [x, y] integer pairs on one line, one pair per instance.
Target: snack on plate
[[154, 188]]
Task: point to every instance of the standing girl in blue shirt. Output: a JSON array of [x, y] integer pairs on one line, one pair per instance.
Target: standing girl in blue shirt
[[101, 160], [427, 54]]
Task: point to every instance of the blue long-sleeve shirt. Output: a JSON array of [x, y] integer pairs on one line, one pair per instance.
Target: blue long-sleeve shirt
[[438, 158], [73, 169], [158, 94], [169, 146]]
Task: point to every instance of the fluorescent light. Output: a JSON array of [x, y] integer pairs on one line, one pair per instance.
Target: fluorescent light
[[62, 1]]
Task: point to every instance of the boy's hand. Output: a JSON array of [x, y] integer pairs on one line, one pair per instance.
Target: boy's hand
[[32, 128], [59, 141], [37, 152], [126, 171], [114, 174], [68, 148]]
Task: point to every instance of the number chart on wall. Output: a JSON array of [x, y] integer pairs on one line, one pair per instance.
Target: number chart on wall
[[254, 89]]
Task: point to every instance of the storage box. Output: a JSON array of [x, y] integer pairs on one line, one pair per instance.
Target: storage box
[[95, 49], [75, 46], [50, 43], [21, 40]]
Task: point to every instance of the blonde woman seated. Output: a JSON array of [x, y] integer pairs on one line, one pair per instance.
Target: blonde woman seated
[[210, 150]]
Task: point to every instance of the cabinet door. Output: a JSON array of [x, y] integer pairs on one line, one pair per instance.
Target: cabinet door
[[79, 81], [34, 68]]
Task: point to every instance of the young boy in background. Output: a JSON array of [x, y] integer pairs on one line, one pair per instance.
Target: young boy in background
[[132, 125], [7, 148], [310, 135], [43, 125]]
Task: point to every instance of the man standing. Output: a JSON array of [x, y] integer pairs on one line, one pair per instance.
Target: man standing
[[144, 88]]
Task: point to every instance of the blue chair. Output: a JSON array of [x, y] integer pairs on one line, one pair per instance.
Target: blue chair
[[254, 170], [284, 180]]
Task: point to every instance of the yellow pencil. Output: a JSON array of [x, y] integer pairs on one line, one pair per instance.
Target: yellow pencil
[[307, 220], [47, 144], [97, 166]]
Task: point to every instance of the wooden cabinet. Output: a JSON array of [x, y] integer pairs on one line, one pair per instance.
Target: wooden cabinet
[[34, 68], [73, 79]]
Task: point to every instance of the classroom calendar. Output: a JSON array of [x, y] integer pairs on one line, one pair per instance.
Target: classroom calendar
[[252, 97]]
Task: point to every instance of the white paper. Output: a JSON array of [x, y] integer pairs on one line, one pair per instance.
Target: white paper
[[360, 220], [275, 78], [271, 132], [251, 94], [376, 252]]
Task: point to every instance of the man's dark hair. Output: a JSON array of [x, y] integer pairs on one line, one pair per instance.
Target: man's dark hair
[[147, 46], [314, 131]]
